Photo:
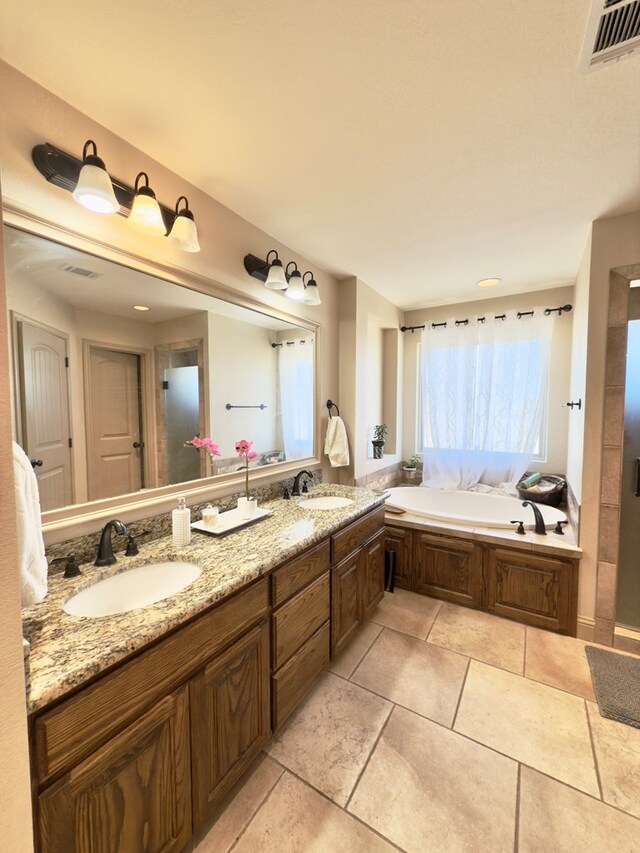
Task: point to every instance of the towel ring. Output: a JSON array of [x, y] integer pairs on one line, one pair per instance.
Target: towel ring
[[332, 405]]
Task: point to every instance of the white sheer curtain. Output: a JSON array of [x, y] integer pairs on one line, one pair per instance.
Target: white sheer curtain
[[484, 390], [295, 374]]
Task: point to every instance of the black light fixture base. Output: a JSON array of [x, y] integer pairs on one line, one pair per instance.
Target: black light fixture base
[[256, 267]]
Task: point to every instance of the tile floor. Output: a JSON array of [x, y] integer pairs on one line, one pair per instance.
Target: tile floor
[[443, 729]]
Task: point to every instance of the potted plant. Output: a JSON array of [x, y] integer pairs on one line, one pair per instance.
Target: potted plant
[[410, 467], [247, 504], [379, 433]]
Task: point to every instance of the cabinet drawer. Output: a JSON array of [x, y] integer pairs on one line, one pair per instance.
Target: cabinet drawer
[[298, 675], [356, 534], [76, 727], [296, 621], [294, 576]]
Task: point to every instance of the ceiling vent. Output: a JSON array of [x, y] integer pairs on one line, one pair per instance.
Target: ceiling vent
[[81, 271], [613, 33]]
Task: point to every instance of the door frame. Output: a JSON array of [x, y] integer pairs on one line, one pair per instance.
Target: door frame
[[17, 388], [146, 402]]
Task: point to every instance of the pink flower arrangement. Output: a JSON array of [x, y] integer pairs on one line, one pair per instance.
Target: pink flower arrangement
[[207, 443], [244, 451]]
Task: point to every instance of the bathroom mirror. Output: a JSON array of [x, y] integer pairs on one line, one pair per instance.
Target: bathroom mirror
[[115, 369]]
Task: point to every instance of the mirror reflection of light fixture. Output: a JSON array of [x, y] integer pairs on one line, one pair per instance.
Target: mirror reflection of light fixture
[[146, 216], [276, 279], [295, 290], [311, 292], [184, 232], [94, 189]]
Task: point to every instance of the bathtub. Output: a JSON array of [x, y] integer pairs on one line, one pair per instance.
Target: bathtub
[[472, 509]]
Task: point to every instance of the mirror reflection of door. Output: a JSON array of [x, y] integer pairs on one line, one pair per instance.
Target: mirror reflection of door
[[44, 406], [182, 415], [114, 422]]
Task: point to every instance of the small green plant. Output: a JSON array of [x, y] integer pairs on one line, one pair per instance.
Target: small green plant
[[413, 461], [379, 432]]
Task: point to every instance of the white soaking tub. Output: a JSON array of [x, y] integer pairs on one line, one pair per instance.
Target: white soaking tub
[[472, 509]]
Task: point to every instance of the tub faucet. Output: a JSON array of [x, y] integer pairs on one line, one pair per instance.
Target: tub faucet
[[105, 548], [295, 491], [540, 525]]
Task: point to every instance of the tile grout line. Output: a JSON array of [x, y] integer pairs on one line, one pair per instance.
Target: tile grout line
[[524, 655], [516, 837], [593, 751], [366, 763], [369, 648], [259, 808], [435, 619], [463, 685]]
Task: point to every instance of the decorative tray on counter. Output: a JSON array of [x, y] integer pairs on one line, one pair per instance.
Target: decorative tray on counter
[[230, 520]]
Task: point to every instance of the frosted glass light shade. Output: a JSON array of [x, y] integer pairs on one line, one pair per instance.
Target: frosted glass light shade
[[146, 216], [184, 233], [296, 287], [276, 279], [94, 190], [311, 294]]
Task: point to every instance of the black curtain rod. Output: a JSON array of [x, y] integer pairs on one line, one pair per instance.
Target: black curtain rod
[[520, 314], [288, 343]]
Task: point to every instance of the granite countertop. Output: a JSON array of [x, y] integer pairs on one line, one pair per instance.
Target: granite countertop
[[66, 651]]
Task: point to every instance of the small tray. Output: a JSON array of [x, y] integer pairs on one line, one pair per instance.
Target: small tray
[[230, 520]]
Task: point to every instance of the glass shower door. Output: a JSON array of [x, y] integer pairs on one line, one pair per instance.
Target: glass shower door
[[182, 410]]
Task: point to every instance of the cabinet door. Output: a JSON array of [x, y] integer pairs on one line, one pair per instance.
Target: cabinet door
[[448, 568], [132, 794], [540, 591], [229, 718], [398, 540], [345, 601], [372, 576]]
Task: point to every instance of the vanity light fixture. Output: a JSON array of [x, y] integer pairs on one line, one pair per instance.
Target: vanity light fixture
[[488, 282], [295, 290], [146, 216], [184, 232], [311, 292], [276, 279], [94, 189]]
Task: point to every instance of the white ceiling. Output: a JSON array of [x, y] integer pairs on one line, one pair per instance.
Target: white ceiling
[[419, 145]]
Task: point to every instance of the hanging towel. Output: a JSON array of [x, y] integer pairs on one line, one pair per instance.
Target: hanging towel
[[336, 444], [31, 559]]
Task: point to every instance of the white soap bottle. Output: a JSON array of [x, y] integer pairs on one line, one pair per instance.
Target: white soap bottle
[[181, 524]]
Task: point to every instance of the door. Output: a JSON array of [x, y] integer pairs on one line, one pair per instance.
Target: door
[[44, 403], [182, 415], [114, 423], [134, 793], [229, 719], [372, 590], [345, 601], [448, 568]]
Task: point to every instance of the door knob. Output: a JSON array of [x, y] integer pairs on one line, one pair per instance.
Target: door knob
[[36, 463], [138, 444]]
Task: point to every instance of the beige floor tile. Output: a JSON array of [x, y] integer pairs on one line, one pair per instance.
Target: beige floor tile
[[408, 612], [296, 819], [349, 659], [536, 724], [328, 741], [428, 789], [423, 678], [618, 755], [557, 819], [241, 806], [480, 635], [558, 661]]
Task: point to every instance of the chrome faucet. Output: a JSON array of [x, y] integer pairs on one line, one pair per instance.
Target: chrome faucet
[[540, 527], [105, 548], [295, 491]]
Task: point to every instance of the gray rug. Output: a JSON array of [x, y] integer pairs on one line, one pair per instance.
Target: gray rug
[[616, 683]]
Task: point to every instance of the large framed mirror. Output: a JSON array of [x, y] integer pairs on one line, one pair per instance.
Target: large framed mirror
[[115, 370]]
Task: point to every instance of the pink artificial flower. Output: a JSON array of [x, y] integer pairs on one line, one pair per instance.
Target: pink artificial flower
[[196, 442], [243, 448], [208, 444]]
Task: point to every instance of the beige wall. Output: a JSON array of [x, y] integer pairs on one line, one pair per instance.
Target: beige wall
[[558, 376]]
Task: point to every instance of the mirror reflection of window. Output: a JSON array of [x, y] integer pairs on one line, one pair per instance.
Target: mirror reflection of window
[[115, 369]]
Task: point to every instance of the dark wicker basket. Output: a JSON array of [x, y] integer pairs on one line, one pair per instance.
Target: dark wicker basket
[[551, 498]]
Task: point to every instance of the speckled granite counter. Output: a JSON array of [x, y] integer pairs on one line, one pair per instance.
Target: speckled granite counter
[[67, 651]]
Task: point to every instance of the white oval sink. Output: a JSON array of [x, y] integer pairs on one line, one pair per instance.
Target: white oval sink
[[132, 589], [325, 502]]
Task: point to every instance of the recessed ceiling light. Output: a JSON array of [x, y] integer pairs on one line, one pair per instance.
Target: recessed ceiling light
[[488, 282], [140, 307]]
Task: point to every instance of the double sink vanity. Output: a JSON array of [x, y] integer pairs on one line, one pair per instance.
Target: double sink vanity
[[141, 722]]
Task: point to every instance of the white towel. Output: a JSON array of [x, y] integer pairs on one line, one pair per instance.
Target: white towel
[[31, 559], [336, 443]]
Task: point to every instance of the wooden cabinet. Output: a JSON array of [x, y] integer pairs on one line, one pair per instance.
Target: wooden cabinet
[[357, 579], [449, 568], [134, 793], [229, 718], [540, 591], [398, 540]]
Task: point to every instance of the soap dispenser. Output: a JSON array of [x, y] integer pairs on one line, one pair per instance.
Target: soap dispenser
[[181, 524]]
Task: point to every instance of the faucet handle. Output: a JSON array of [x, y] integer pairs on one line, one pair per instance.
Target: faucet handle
[[71, 569], [558, 528], [520, 528], [132, 545]]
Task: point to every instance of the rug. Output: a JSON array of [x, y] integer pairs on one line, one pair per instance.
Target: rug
[[616, 683]]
